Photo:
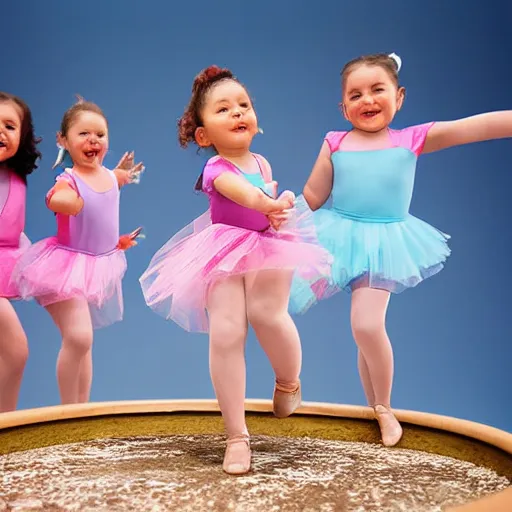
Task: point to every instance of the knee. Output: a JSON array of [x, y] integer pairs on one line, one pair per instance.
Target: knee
[[79, 341], [366, 326], [227, 334], [16, 354], [262, 313]]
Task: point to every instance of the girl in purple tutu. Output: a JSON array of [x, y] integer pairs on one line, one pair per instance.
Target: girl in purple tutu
[[18, 157], [230, 267], [77, 274]]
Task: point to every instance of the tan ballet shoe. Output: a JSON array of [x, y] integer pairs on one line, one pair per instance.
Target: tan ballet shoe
[[391, 431], [286, 402], [237, 459]]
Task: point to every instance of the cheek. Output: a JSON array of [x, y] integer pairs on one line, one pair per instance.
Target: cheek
[[350, 110], [14, 138]]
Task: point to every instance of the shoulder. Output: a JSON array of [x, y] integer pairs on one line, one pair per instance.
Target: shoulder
[[334, 139], [213, 168], [412, 137], [66, 177], [266, 169]]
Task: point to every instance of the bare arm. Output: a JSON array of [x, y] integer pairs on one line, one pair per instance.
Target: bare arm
[[446, 134], [245, 194], [319, 185], [65, 200]]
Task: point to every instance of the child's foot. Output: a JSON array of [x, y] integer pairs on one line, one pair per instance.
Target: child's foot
[[286, 401], [391, 431], [237, 459]]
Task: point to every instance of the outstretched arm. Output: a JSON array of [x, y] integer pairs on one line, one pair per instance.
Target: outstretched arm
[[240, 191], [445, 134], [319, 185]]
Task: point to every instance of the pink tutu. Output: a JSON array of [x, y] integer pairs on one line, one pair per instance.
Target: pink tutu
[[9, 256], [52, 273], [177, 280]]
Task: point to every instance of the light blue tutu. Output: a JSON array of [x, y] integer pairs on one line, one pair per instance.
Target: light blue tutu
[[392, 256], [373, 238]]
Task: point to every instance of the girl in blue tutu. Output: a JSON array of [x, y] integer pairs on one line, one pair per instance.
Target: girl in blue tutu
[[379, 247]]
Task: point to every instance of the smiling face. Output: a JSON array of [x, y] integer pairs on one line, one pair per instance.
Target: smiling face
[[86, 139], [228, 118], [11, 119], [371, 98]]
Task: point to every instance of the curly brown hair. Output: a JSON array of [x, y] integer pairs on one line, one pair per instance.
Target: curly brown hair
[[24, 161], [191, 118], [377, 59]]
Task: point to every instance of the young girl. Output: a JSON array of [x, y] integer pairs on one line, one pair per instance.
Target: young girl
[[377, 245], [230, 264], [77, 274], [18, 156]]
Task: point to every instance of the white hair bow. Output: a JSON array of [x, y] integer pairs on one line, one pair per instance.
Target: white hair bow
[[397, 59]]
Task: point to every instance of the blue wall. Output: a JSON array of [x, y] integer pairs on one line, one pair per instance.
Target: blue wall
[[452, 335]]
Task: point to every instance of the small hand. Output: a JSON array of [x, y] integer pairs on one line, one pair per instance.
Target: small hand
[[130, 240], [127, 171], [278, 218], [287, 199], [281, 216]]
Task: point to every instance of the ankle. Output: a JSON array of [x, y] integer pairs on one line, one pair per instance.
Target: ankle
[[287, 387], [238, 438], [381, 408]]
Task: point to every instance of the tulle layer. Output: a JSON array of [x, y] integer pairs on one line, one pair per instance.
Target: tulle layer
[[177, 280], [53, 273], [9, 257], [391, 256]]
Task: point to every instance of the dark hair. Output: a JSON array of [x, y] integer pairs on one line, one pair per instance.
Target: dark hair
[[191, 118], [23, 162], [72, 112], [378, 59]]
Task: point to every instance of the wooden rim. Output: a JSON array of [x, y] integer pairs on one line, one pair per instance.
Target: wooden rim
[[490, 435]]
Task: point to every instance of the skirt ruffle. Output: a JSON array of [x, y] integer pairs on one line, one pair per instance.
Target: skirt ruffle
[[177, 280], [391, 256], [51, 273], [9, 257]]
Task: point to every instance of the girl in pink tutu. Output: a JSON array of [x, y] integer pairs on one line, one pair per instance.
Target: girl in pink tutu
[[18, 156], [230, 267], [77, 274]]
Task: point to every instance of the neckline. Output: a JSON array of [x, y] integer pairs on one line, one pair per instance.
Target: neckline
[[260, 173], [81, 180]]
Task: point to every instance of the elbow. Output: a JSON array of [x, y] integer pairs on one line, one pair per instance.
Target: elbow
[[260, 202], [310, 198]]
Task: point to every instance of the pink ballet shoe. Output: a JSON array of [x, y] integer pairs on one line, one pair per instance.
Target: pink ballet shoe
[[286, 402], [237, 459], [391, 431]]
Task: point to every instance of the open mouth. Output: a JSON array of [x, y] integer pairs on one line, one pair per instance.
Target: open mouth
[[91, 154], [2, 145], [240, 128], [370, 113]]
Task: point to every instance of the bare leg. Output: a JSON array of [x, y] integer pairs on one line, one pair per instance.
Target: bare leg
[[74, 366], [364, 374], [267, 310], [13, 356], [228, 332], [368, 317]]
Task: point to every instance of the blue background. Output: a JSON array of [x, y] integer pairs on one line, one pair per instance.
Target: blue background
[[452, 335]]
